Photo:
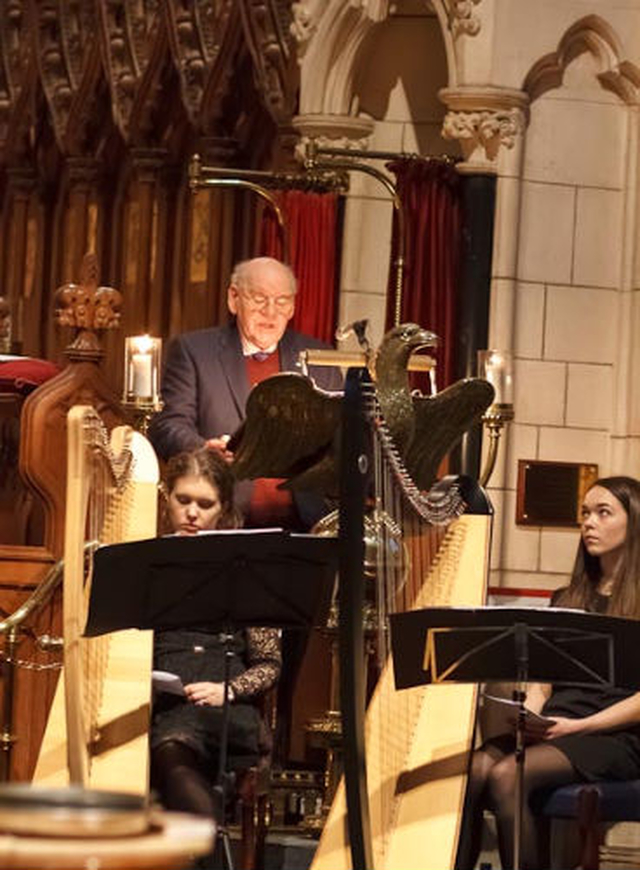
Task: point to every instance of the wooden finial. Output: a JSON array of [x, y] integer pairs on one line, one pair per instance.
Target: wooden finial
[[88, 309]]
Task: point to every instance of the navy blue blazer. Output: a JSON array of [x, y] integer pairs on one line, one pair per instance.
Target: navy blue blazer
[[205, 390]]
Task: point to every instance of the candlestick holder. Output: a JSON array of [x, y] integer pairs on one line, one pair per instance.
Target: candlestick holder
[[141, 411], [142, 354], [496, 367], [495, 419]]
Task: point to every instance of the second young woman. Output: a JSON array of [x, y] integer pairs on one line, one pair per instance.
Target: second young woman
[[185, 731], [591, 734]]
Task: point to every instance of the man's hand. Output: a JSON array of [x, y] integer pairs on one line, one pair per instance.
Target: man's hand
[[205, 694], [220, 445]]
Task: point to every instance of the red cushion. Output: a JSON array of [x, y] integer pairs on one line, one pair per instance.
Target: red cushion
[[24, 375]]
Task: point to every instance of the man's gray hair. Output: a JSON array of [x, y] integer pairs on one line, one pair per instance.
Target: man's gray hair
[[241, 275]]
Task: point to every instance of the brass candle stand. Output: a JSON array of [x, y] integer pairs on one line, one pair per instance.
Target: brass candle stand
[[141, 411], [141, 397], [496, 366], [494, 420]]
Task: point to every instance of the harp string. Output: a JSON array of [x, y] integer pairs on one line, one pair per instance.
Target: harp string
[[405, 547], [108, 503]]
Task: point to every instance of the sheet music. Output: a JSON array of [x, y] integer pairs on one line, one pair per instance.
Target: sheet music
[[513, 706], [164, 681]]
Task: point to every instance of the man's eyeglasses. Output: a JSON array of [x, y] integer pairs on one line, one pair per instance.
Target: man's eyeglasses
[[259, 300]]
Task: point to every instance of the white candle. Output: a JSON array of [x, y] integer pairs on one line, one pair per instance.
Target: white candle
[[494, 375], [495, 366], [142, 383]]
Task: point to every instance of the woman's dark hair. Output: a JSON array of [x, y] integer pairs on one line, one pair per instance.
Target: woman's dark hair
[[212, 467], [587, 573]]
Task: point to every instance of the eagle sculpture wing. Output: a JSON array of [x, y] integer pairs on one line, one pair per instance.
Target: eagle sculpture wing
[[289, 431], [440, 421]]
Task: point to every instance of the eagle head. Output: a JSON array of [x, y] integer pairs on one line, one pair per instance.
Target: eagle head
[[395, 349]]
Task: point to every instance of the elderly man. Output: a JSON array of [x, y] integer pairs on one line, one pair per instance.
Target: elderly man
[[208, 375]]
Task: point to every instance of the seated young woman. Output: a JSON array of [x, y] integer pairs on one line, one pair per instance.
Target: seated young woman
[[185, 731], [594, 734]]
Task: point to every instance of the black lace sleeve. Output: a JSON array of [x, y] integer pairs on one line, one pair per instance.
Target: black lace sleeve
[[264, 659]]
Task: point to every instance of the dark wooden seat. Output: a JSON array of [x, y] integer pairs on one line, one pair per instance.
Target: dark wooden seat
[[249, 803], [252, 790]]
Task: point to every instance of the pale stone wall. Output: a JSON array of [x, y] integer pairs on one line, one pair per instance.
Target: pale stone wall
[[402, 55], [569, 293], [544, 93]]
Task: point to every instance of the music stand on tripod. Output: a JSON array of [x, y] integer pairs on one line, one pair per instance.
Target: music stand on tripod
[[474, 645], [229, 580]]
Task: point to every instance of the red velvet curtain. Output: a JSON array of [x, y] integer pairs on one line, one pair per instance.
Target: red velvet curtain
[[429, 190], [311, 220]]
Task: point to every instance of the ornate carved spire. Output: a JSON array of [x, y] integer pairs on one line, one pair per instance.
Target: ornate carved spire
[[88, 309], [201, 34], [267, 26]]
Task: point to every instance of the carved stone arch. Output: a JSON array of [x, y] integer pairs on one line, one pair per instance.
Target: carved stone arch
[[442, 11], [594, 35], [330, 35]]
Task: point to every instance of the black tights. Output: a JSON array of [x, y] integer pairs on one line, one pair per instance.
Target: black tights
[[492, 784], [176, 772]]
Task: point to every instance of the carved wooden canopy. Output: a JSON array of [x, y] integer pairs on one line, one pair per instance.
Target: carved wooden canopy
[[105, 68]]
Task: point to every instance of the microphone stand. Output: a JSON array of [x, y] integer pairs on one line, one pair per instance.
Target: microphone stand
[[222, 776], [519, 695]]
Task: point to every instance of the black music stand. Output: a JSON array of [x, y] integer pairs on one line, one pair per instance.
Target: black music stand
[[566, 647], [227, 579]]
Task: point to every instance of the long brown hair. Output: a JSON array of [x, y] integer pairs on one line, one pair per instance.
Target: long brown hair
[[212, 467], [587, 573]]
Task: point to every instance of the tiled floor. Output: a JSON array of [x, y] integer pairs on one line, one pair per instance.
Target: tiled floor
[[289, 852], [283, 852]]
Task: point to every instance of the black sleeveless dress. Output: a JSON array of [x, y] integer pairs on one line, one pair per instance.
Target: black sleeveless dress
[[197, 655], [608, 755]]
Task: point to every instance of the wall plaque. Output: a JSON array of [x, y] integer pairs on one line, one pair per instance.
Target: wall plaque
[[551, 493]]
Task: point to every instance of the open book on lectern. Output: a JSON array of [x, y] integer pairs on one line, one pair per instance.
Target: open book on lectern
[[232, 579], [482, 644]]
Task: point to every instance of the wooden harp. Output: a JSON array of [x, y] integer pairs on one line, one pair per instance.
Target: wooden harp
[[97, 731], [432, 550]]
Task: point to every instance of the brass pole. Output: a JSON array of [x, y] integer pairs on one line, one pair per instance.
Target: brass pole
[[212, 176], [7, 737], [10, 627], [312, 162], [495, 419]]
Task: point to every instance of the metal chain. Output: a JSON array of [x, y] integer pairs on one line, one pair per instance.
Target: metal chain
[[29, 665], [98, 438], [437, 507]]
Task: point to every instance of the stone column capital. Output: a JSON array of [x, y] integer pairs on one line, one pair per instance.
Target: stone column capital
[[334, 131], [484, 120]]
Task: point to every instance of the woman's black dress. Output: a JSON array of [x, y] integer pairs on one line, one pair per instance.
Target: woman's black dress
[[606, 755], [197, 655]]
